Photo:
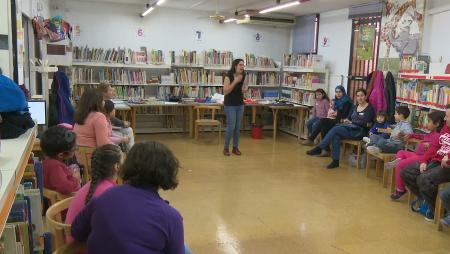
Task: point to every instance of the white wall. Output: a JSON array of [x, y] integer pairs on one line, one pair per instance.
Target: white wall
[[436, 36], [113, 25], [336, 26], [32, 8]]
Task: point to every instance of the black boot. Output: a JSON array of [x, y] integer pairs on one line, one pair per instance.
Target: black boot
[[315, 151], [333, 164]]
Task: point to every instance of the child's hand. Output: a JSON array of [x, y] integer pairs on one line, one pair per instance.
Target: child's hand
[[423, 167], [370, 134], [76, 174], [126, 124], [401, 135], [444, 162], [125, 140], [426, 146]]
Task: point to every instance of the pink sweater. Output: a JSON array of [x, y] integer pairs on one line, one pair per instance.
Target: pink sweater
[[321, 108], [94, 131], [426, 138]]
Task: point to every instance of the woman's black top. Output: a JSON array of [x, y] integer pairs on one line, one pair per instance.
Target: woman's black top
[[235, 97]]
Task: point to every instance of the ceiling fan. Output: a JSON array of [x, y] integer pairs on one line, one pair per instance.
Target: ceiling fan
[[216, 16]]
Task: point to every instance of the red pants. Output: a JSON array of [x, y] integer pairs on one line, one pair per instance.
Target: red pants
[[406, 158]]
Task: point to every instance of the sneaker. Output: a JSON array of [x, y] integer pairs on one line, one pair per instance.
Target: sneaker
[[391, 165], [333, 164], [415, 205], [324, 153], [315, 151], [398, 194], [308, 142], [373, 149], [226, 152], [236, 151], [429, 216], [446, 221], [366, 139]]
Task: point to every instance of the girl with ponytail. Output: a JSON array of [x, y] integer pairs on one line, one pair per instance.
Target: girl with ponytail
[[105, 163]]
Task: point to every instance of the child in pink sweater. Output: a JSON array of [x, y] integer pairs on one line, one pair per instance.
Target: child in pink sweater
[[320, 110], [58, 145], [405, 158], [105, 165], [110, 112]]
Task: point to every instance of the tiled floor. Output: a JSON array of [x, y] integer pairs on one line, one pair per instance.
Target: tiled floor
[[275, 199]]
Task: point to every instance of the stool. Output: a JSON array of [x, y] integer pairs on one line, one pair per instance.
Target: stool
[[353, 143]]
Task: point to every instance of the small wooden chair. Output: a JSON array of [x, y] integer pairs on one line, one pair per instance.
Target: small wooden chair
[[353, 143], [439, 209], [54, 197], [381, 159], [84, 155], [55, 224], [201, 121]]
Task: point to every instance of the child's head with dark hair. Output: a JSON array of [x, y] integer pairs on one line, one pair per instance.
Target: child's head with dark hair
[[58, 143], [436, 120], [320, 94], [381, 117], [105, 163], [401, 113], [109, 108], [151, 164]]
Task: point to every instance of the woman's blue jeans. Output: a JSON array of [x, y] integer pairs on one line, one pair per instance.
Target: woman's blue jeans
[[233, 117]]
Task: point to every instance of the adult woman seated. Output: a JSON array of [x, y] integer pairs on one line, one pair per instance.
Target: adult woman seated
[[343, 106], [354, 127], [91, 125]]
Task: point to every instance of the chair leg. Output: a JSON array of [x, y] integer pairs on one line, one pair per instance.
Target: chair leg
[[411, 196], [438, 210], [368, 165], [220, 132], [393, 180], [196, 132], [378, 168], [344, 149], [358, 157], [385, 176]]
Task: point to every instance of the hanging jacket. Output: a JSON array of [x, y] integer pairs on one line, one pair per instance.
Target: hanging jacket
[[390, 95], [377, 98], [60, 106]]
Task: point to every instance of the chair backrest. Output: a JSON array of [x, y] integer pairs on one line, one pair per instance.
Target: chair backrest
[[84, 155], [53, 196], [202, 109], [55, 224]]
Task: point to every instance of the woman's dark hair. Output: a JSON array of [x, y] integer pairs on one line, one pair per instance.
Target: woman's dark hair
[[151, 164], [325, 96], [403, 110], [232, 71], [57, 140], [91, 100], [102, 162], [437, 117], [109, 106], [362, 90]]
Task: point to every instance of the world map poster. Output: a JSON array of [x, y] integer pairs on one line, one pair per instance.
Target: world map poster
[[402, 28]]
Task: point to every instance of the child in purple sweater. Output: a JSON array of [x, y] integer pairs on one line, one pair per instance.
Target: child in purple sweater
[[320, 109]]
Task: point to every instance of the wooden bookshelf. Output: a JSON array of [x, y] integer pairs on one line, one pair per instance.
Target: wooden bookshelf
[[14, 157], [120, 65], [303, 70], [408, 102], [263, 69]]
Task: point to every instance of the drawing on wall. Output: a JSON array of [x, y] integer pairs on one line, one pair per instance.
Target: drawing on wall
[[325, 42], [198, 35], [366, 40], [140, 32], [258, 37], [402, 28]]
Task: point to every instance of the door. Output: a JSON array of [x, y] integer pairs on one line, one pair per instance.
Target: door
[[363, 52]]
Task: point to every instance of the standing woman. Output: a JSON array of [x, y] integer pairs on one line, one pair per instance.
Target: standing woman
[[235, 84]]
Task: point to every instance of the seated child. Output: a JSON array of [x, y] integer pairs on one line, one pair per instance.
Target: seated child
[[396, 141], [381, 123], [405, 158], [105, 164], [58, 145], [114, 137], [332, 113]]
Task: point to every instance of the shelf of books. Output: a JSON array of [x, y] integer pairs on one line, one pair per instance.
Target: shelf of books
[[426, 93], [21, 223], [204, 59]]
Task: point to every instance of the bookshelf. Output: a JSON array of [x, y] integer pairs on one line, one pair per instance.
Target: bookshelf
[[13, 160]]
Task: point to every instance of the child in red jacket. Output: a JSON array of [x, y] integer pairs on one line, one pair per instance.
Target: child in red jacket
[[58, 145]]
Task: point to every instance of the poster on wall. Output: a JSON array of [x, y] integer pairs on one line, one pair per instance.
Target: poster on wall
[[198, 35], [402, 28], [258, 37], [366, 38]]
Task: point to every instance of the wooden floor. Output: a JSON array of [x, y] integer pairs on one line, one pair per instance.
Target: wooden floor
[[275, 199]]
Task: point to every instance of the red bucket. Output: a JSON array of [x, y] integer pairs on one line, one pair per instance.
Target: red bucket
[[257, 133]]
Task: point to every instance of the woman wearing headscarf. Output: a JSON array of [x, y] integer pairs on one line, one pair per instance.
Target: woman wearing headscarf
[[343, 105]]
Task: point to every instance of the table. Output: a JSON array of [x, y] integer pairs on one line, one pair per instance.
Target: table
[[301, 117], [14, 156]]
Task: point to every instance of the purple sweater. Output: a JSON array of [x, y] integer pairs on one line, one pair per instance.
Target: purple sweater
[[126, 219], [320, 109]]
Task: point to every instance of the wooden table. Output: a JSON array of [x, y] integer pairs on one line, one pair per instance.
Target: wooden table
[[301, 117]]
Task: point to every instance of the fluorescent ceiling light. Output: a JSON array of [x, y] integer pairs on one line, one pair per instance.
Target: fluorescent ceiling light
[[247, 15], [229, 20], [279, 7], [147, 11], [160, 2]]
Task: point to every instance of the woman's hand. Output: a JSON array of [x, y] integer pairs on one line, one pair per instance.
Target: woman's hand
[[238, 78], [347, 121]]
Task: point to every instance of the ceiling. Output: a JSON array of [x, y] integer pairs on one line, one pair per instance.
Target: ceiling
[[228, 6]]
